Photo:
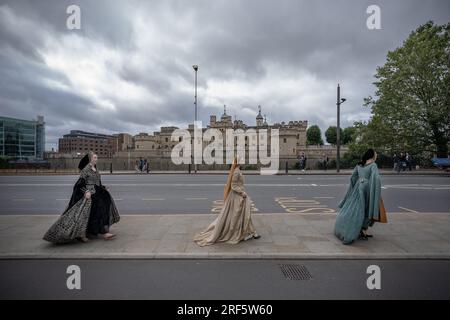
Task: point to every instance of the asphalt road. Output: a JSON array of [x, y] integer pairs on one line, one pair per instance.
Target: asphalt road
[[181, 193], [223, 279]]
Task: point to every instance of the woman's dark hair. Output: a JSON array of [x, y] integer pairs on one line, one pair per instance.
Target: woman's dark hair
[[369, 154]]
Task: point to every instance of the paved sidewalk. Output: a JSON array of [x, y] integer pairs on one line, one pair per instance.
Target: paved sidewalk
[[284, 236]]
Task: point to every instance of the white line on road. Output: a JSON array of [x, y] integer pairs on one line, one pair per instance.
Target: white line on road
[[399, 186], [153, 199], [409, 210], [332, 185], [195, 198], [323, 197], [159, 185], [415, 188], [35, 184], [22, 199]]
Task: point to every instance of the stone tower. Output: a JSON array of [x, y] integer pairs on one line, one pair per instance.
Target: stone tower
[[259, 118]]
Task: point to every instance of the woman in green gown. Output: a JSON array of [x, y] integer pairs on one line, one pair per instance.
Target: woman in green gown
[[361, 204]]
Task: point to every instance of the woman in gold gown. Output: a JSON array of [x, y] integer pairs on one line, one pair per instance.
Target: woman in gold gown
[[234, 223]]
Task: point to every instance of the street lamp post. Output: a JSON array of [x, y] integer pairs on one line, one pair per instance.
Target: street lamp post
[[195, 104], [339, 101], [195, 96]]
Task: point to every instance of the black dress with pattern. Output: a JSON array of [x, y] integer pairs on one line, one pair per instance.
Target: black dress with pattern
[[85, 216]]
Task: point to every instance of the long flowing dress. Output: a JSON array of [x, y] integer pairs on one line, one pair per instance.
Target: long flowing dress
[[234, 222], [85, 216], [360, 206]]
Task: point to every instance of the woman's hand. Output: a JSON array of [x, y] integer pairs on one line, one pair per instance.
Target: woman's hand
[[244, 195], [87, 195]]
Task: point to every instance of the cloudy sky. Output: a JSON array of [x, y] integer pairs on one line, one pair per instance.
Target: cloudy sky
[[129, 67]]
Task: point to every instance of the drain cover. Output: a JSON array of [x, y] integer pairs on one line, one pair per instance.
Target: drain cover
[[295, 272]]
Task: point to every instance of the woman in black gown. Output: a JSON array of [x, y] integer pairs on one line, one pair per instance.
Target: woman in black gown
[[91, 210]]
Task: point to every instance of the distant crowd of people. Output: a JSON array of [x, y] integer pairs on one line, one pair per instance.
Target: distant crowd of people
[[142, 166], [302, 162], [402, 162]]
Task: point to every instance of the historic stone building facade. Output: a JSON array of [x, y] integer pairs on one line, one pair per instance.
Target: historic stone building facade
[[157, 147]]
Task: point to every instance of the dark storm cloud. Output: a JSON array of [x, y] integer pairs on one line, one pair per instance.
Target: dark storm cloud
[[129, 68]]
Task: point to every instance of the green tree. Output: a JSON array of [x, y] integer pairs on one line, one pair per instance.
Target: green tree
[[331, 135], [314, 136], [411, 108], [348, 134]]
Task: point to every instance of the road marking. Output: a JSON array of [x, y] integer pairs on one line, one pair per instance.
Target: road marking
[[195, 198], [154, 199], [22, 199], [312, 210], [324, 197], [294, 205], [218, 205], [415, 188], [62, 199], [118, 199], [271, 185], [158, 185], [409, 210], [303, 205]]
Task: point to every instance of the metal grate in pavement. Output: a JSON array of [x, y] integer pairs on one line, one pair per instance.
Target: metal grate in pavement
[[295, 272]]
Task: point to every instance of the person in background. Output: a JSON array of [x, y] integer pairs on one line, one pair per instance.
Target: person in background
[[402, 161], [396, 159], [145, 165], [303, 159], [408, 159], [325, 161], [136, 166]]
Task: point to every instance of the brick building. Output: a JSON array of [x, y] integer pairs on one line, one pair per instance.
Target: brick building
[[81, 142]]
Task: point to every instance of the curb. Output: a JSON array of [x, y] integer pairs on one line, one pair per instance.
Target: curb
[[226, 256]]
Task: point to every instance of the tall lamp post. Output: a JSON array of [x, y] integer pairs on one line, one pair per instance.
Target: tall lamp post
[[195, 67], [339, 101]]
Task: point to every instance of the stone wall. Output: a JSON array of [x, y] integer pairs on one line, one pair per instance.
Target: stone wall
[[160, 160]]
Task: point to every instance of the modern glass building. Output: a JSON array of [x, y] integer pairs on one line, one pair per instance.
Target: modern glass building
[[22, 139]]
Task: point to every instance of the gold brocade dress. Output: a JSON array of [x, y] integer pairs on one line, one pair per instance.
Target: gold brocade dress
[[234, 222]]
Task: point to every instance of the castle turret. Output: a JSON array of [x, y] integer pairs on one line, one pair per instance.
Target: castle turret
[[226, 118], [212, 120], [259, 118]]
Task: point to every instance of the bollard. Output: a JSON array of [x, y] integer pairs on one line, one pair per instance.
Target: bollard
[[286, 167], [110, 168], [189, 168]]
